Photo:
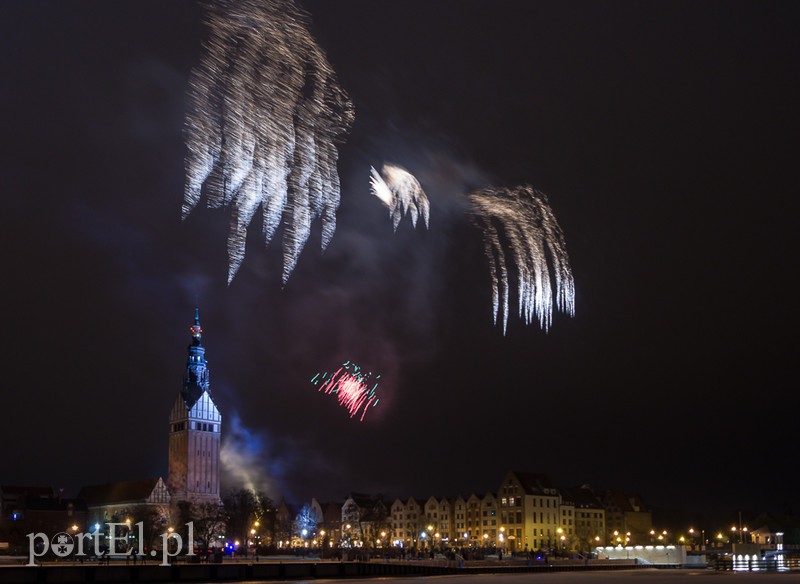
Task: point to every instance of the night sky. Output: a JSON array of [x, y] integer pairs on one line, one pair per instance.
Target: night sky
[[665, 134]]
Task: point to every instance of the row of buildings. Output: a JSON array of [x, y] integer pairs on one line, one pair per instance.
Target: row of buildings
[[526, 513]]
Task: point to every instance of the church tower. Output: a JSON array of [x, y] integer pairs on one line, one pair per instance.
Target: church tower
[[194, 430]]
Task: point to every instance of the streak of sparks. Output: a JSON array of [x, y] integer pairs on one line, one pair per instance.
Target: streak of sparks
[[521, 219], [401, 192], [264, 116], [351, 386]]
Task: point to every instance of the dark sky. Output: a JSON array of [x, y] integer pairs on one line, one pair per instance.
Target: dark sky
[[665, 133]]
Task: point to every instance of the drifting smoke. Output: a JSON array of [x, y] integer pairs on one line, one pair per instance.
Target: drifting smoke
[[401, 192], [242, 454], [264, 116], [351, 385], [522, 219]]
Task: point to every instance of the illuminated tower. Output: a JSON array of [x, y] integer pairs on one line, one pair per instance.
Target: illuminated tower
[[194, 430]]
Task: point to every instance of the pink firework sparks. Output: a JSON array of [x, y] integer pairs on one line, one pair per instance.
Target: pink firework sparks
[[350, 387]]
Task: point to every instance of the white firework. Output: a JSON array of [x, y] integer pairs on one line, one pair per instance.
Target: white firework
[[522, 220], [264, 116], [401, 192]]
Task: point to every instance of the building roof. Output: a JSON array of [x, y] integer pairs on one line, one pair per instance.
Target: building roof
[[533, 483], [115, 493], [622, 502], [581, 497], [17, 490], [54, 504], [774, 523]]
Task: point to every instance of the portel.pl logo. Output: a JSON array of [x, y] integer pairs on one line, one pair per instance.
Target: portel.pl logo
[[64, 545]]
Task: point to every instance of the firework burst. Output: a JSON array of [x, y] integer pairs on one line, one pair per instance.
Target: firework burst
[[401, 192], [521, 219], [265, 112], [352, 386]]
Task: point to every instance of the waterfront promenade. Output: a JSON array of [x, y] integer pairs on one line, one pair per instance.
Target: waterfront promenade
[[388, 572], [597, 572]]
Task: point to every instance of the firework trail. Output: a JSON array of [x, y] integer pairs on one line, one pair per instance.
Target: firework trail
[[352, 387], [401, 192], [522, 219], [265, 112]]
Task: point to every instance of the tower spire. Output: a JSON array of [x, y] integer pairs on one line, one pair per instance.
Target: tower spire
[[196, 379], [196, 329]]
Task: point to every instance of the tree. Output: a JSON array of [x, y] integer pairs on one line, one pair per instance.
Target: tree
[[155, 520], [305, 523], [243, 508], [209, 522]]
